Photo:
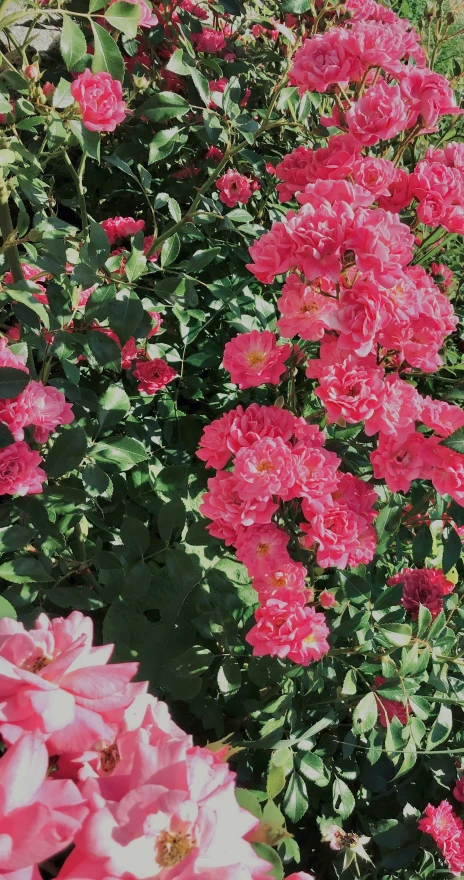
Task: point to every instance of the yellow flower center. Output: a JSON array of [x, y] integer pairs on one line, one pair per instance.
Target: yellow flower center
[[262, 549], [256, 357], [172, 848], [264, 466], [39, 664]]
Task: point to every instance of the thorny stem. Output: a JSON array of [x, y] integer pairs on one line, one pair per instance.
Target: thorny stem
[[7, 229]]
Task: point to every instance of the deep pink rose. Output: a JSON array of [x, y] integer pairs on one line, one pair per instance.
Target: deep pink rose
[[20, 473], [378, 116]]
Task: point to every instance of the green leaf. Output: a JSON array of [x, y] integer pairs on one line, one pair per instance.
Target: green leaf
[[104, 351], [24, 569], [165, 105], [422, 544], [397, 634], [62, 97], [94, 5], [296, 799], [12, 382], [248, 801], [424, 620], [170, 250], [201, 259], [98, 248], [176, 64], [164, 143], [135, 536], [171, 518], [201, 85], [452, 547], [343, 800], [124, 16], [275, 780], [15, 537], [73, 44], [298, 7], [229, 676], [441, 729], [23, 295], [6, 609], [107, 57], [125, 313], [122, 452], [113, 405], [96, 482], [455, 441], [268, 854], [77, 597], [410, 663], [67, 452], [137, 262], [88, 140], [365, 714], [313, 769]]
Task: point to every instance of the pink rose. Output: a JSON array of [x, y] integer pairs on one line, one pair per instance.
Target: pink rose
[[351, 390], [427, 95], [118, 228], [47, 409], [262, 548], [20, 473], [273, 254], [253, 359], [307, 309], [287, 627], [100, 100], [209, 41], [234, 188], [153, 375], [379, 115], [229, 511], [324, 60]]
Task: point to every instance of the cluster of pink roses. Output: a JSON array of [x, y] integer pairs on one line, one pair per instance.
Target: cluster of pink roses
[[94, 760], [447, 830], [40, 407], [280, 469]]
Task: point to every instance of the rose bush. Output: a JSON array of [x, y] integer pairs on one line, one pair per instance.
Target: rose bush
[[231, 441]]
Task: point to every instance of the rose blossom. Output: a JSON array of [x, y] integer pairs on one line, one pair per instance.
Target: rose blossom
[[39, 816], [351, 389], [8, 358], [379, 115], [264, 469], [20, 473], [427, 95], [422, 586], [382, 245], [230, 512], [262, 548], [442, 417], [290, 575], [54, 682], [147, 18], [46, 408], [254, 359], [273, 254], [208, 40], [117, 228], [400, 460], [327, 599], [319, 232], [234, 188], [336, 531], [323, 60], [100, 100], [286, 627], [305, 311], [153, 375], [447, 830]]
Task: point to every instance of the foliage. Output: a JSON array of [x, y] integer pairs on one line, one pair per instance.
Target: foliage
[[117, 532]]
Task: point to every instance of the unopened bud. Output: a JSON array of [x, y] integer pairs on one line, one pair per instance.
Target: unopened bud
[[31, 72], [141, 83], [48, 88], [450, 19]]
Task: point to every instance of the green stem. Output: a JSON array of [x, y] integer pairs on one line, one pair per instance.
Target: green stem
[[7, 229], [77, 176]]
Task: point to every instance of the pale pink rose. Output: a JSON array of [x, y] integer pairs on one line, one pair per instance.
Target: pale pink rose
[[379, 115], [262, 549], [427, 96], [382, 244], [389, 709], [234, 188], [400, 408], [264, 469], [100, 100], [38, 816], [443, 418], [118, 228], [324, 60], [209, 41], [153, 375], [166, 809], [351, 390], [46, 409], [8, 358], [327, 599], [273, 254], [287, 628], [307, 309], [254, 358], [399, 461], [230, 512], [54, 682], [290, 575], [20, 473]]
